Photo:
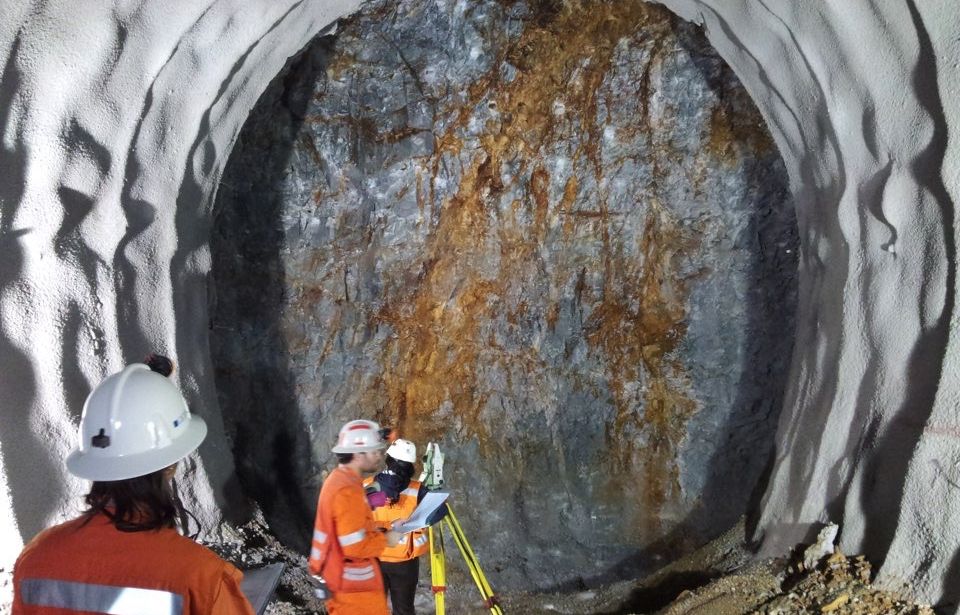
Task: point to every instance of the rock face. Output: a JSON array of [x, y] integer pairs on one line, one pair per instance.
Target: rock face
[[555, 240], [117, 124]]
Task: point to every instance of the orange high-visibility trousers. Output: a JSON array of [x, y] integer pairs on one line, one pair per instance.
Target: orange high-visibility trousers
[[358, 603]]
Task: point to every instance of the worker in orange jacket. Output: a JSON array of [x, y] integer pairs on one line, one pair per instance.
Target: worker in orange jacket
[[124, 554], [346, 541], [394, 495]]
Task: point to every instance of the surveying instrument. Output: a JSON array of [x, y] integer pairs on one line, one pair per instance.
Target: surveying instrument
[[432, 477]]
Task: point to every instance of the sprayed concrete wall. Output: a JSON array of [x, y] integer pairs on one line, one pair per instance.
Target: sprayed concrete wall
[[859, 100], [116, 126]]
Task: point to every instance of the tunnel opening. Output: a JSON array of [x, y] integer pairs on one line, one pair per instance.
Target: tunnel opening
[[553, 237]]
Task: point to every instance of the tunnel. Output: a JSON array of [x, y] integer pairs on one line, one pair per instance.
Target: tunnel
[[641, 270]]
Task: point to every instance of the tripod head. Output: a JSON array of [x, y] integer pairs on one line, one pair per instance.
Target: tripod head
[[432, 475]]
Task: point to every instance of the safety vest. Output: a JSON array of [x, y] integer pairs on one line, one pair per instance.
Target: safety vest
[[94, 567], [346, 541], [416, 543]]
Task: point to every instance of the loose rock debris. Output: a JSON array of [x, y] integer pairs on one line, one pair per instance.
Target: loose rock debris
[[252, 546], [838, 585]]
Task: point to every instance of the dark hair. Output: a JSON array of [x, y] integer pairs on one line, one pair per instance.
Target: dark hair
[[159, 363], [136, 504], [403, 469], [344, 457]]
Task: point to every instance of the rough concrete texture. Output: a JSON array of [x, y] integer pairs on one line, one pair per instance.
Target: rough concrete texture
[[115, 124], [117, 121], [556, 241], [860, 104]]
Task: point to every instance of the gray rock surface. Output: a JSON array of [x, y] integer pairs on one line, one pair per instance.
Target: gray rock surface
[[557, 242]]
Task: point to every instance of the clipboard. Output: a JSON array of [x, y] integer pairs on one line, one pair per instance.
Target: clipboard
[[259, 584], [418, 520]]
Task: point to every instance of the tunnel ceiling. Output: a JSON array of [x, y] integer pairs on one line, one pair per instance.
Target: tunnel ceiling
[[556, 240]]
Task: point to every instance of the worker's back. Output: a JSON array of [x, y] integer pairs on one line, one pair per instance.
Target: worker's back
[[96, 567]]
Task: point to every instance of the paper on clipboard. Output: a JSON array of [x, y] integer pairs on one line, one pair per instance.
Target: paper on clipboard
[[418, 520]]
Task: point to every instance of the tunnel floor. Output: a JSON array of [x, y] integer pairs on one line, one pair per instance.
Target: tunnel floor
[[721, 578]]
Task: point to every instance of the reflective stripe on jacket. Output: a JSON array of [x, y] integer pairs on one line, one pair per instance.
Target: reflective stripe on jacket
[[346, 541], [93, 567], [415, 543]]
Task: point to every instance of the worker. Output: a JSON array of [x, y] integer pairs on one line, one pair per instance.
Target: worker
[[346, 541], [124, 554], [399, 495]]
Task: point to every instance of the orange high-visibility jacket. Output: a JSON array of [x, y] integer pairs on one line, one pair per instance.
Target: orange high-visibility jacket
[[346, 541], [97, 568], [414, 544]]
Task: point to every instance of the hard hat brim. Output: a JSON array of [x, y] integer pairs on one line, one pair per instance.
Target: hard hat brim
[[99, 465], [403, 450], [359, 449]]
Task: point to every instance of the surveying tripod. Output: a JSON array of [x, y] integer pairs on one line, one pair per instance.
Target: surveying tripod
[[432, 477]]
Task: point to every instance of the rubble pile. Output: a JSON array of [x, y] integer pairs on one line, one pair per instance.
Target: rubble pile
[[724, 578], [818, 579], [840, 585], [252, 546]]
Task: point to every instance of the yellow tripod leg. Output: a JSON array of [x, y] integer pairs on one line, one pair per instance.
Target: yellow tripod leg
[[486, 592], [438, 573]]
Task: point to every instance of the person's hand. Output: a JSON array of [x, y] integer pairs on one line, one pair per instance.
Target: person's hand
[[319, 586], [393, 538]]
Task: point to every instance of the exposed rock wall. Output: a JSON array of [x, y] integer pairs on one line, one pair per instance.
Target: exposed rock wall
[[556, 241], [116, 123]]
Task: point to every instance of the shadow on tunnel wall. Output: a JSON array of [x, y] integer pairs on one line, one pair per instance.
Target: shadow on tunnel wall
[[251, 359], [886, 438], [26, 457], [895, 449], [815, 298], [747, 436]]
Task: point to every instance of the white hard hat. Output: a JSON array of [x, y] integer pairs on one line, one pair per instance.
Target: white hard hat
[[403, 450], [359, 437], [135, 422]]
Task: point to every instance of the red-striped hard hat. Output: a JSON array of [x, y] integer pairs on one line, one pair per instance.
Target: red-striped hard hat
[[359, 437]]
